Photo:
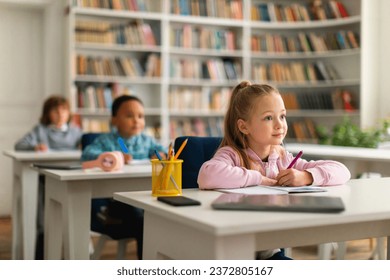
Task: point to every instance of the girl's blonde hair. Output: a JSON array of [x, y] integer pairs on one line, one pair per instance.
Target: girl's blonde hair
[[241, 106]]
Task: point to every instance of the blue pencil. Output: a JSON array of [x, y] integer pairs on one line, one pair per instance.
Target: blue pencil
[[123, 145]]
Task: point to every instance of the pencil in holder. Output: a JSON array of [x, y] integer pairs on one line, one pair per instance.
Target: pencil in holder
[[166, 177]]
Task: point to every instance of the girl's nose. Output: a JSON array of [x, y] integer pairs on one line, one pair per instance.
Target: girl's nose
[[278, 123]]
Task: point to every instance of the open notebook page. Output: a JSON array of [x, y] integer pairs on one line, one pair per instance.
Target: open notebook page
[[274, 190]]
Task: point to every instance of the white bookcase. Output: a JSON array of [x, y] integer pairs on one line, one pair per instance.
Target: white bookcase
[[182, 99]]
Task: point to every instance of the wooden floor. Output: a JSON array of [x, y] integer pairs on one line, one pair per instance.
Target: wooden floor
[[356, 250]]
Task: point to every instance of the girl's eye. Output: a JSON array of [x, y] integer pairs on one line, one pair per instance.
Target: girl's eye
[[268, 118], [283, 117]]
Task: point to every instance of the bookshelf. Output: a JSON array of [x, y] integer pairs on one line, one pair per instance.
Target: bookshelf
[[183, 57]]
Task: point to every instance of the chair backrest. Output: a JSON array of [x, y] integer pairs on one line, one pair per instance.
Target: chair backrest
[[196, 152], [88, 138]]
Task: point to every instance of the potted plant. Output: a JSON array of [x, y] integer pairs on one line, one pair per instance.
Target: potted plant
[[348, 134]]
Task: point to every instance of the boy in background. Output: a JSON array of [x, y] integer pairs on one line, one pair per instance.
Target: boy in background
[[128, 122]]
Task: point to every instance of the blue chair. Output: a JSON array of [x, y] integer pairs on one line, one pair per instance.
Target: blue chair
[[107, 232], [197, 151]]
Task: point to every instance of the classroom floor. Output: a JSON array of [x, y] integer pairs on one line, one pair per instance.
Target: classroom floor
[[356, 250]]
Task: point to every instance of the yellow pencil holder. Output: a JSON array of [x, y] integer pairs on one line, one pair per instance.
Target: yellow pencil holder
[[166, 177]]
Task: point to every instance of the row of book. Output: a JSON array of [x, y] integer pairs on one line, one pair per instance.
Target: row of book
[[128, 5], [334, 100], [132, 33], [302, 131], [98, 96], [189, 36], [119, 66], [305, 42], [213, 69], [216, 8], [292, 12], [316, 10], [294, 72], [212, 126], [204, 99]]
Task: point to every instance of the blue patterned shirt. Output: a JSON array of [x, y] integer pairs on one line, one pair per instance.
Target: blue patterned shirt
[[140, 146]]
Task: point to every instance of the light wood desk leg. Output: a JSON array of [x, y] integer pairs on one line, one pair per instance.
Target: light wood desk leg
[[53, 221], [76, 210], [166, 239], [24, 214], [17, 241]]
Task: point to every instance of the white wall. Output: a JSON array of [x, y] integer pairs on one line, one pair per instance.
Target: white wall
[[21, 86], [30, 70], [384, 57]]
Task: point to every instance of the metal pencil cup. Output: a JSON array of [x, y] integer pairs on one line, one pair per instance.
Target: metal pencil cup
[[166, 177]]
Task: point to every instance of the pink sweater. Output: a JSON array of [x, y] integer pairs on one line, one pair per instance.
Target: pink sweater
[[224, 170]]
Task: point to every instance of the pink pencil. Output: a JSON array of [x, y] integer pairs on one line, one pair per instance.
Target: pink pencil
[[295, 160]]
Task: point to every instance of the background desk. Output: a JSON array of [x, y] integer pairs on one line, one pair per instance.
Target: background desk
[[25, 197], [199, 232], [68, 197], [358, 160]]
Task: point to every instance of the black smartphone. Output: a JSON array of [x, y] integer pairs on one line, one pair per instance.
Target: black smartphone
[[178, 200]]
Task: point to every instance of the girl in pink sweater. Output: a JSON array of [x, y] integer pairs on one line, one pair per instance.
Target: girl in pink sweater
[[251, 153]]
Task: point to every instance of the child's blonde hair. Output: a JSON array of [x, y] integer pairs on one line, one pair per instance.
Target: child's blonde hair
[[241, 106]]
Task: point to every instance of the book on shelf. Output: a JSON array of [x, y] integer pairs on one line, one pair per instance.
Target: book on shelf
[[289, 12], [99, 96], [196, 127], [95, 125], [120, 5], [218, 8], [303, 131], [119, 66], [325, 100], [295, 72]]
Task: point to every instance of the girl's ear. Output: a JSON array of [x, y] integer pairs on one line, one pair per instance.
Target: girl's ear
[[241, 124]]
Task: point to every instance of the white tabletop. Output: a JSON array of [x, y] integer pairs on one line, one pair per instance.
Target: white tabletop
[[128, 171], [366, 202], [232, 222], [41, 156]]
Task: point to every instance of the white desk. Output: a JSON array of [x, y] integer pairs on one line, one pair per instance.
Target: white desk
[[25, 198], [68, 195], [356, 159], [199, 232]]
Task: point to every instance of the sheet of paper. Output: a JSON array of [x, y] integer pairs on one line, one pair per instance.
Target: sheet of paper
[[254, 190], [303, 189], [274, 190]]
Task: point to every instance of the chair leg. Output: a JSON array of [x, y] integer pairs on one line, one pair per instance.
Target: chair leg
[[99, 246], [91, 249], [121, 251], [288, 252], [324, 251], [379, 249], [341, 250]]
